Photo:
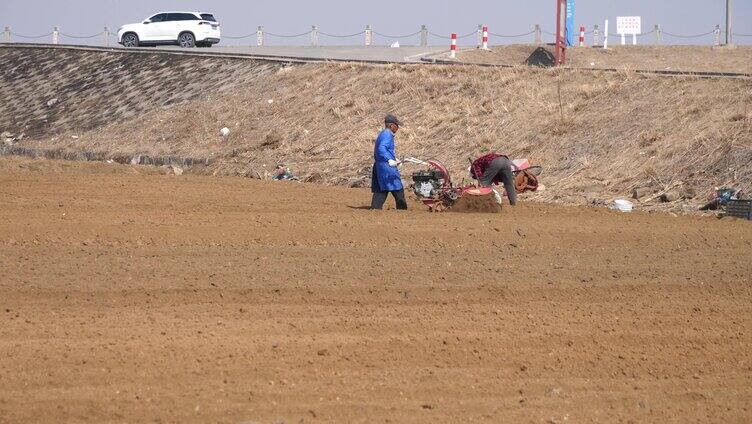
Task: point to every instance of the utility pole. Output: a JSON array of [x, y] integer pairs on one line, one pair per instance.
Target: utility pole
[[561, 33], [729, 35]]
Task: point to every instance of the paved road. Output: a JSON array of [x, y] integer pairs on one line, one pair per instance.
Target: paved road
[[401, 54], [355, 53]]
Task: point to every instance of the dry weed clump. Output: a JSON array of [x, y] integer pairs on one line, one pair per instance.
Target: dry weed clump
[[603, 134]]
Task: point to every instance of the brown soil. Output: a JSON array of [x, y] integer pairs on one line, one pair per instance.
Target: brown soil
[[129, 296], [673, 58], [476, 204]]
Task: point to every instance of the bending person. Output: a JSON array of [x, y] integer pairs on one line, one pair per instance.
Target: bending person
[[494, 168]]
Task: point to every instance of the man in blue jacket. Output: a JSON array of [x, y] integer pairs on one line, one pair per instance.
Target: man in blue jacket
[[386, 178]]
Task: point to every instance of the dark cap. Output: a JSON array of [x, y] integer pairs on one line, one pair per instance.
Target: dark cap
[[391, 119]]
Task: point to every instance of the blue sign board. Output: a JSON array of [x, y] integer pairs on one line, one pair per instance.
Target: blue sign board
[[570, 23]]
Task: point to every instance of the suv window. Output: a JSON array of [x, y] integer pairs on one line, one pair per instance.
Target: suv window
[[182, 17], [208, 17], [159, 18]]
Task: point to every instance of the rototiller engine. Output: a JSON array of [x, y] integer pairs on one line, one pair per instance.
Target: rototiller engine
[[433, 186]]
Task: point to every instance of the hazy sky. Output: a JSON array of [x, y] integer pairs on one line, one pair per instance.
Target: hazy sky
[[86, 17]]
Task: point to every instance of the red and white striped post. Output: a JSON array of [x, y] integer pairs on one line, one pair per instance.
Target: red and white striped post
[[582, 35], [453, 46], [485, 38]]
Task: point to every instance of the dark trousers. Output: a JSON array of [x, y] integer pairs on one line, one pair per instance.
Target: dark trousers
[[379, 197], [501, 169]]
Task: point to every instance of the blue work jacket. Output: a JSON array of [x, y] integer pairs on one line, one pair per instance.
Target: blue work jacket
[[384, 177]]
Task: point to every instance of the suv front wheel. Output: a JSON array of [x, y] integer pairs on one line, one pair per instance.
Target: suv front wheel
[[130, 40], [187, 40]]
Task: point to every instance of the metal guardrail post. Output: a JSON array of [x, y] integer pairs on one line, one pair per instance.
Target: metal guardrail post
[[538, 37], [260, 36], [315, 35], [56, 35], [6, 36], [368, 35], [717, 39], [729, 27], [106, 37], [423, 36], [596, 35], [657, 35]]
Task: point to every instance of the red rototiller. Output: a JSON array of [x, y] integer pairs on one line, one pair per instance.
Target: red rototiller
[[434, 187]]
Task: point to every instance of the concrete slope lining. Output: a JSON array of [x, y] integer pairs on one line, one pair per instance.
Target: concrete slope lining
[[47, 91]]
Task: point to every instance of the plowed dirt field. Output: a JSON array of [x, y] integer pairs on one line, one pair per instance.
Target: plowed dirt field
[[131, 296]]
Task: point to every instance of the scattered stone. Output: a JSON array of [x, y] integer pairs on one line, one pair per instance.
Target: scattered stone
[[554, 392], [427, 406], [596, 201], [224, 132], [641, 192], [670, 196], [51, 102], [314, 177], [174, 170], [322, 352], [521, 232], [136, 160], [359, 182], [8, 139], [689, 193]]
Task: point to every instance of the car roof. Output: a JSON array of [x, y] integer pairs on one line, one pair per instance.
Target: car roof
[[182, 11]]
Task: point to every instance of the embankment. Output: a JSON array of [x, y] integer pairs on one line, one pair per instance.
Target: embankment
[[599, 135]]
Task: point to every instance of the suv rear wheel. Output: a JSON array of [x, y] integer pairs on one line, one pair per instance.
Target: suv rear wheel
[[130, 40], [187, 40]]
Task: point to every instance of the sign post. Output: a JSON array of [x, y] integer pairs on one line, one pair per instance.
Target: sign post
[[570, 23], [629, 25]]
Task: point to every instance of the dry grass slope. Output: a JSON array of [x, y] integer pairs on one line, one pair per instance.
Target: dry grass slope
[[599, 135]]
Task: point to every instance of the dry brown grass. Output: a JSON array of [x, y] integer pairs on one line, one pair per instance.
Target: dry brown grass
[[676, 58], [599, 135]]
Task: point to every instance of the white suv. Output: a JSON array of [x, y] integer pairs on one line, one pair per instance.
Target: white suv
[[186, 29]]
